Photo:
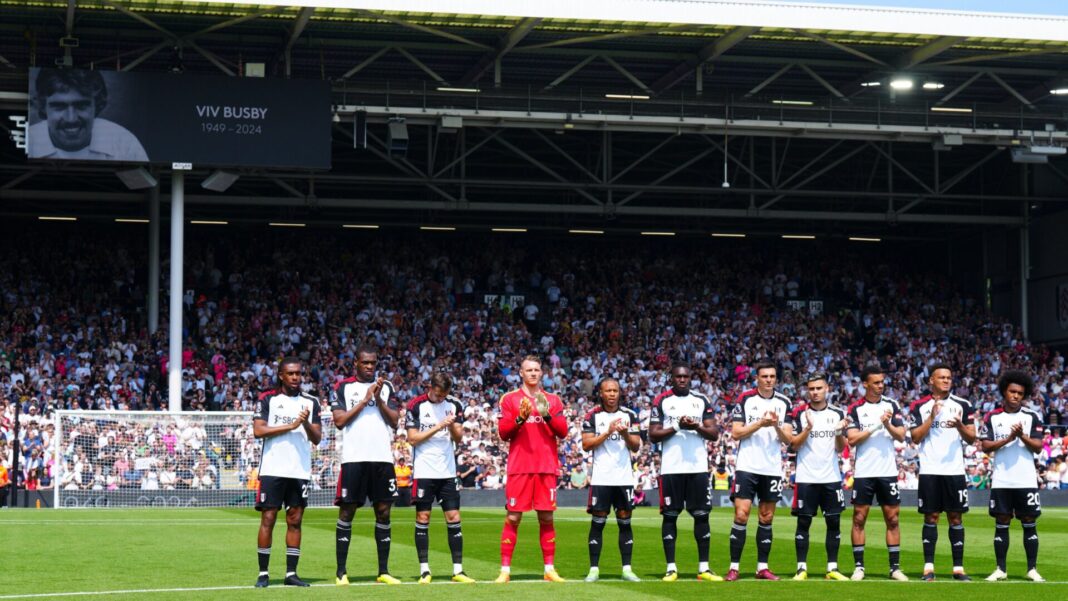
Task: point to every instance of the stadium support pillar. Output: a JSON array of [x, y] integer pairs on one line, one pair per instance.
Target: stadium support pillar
[[174, 363], [153, 260], [1025, 271]]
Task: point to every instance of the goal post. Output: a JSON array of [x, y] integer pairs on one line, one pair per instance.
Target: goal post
[[161, 459]]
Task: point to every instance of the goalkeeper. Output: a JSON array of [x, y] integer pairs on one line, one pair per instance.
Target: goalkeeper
[[532, 422]]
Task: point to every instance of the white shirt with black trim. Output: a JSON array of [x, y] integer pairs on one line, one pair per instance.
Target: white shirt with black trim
[[876, 457], [761, 453], [435, 457], [368, 437], [286, 455], [1014, 463], [942, 450], [684, 452], [817, 459], [612, 464]]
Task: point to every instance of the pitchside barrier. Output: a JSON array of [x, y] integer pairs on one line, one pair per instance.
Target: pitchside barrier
[[197, 459]]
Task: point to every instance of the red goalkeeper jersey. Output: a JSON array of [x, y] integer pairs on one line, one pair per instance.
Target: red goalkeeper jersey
[[533, 447]]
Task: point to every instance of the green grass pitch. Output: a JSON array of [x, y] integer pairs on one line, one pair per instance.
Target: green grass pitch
[[164, 553]]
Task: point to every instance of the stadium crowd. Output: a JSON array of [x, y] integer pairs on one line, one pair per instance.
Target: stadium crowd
[[73, 335]]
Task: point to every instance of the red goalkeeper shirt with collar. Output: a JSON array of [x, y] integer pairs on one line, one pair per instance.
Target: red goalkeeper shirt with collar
[[534, 444]]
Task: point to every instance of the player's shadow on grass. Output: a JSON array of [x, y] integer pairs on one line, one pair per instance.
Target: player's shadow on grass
[[353, 579]]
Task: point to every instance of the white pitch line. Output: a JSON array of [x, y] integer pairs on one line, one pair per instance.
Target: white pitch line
[[227, 588], [238, 588]]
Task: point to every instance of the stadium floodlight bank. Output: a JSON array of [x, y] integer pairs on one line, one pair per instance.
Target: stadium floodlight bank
[[160, 459]]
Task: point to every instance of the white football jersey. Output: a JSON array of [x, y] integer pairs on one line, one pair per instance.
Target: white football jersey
[[761, 453], [942, 451], [684, 452], [876, 457], [286, 455], [612, 464], [1014, 464], [817, 459], [435, 457], [368, 437]]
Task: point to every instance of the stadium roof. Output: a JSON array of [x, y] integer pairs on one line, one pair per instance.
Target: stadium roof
[[768, 14], [706, 85]]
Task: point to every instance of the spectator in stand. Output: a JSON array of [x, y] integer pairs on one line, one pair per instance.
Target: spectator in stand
[[73, 336]]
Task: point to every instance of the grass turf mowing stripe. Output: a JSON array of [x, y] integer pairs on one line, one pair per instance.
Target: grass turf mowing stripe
[[127, 554]]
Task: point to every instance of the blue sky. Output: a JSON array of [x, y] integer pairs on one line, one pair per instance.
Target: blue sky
[[1040, 7]]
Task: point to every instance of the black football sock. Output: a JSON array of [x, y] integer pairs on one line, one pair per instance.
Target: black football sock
[[595, 539], [930, 540], [422, 542], [894, 551], [1001, 544], [764, 538], [382, 541], [669, 533], [702, 533], [456, 542], [1030, 532], [626, 540], [804, 522], [342, 538], [292, 557], [858, 556], [263, 555], [834, 537], [956, 541], [737, 542]]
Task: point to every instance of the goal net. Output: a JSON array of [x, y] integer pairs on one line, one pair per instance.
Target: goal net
[[156, 459]]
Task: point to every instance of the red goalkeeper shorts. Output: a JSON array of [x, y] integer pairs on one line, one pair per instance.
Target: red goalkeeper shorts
[[524, 492]]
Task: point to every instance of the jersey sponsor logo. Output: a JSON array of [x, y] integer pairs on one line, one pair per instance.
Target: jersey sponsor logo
[[283, 419], [822, 434], [944, 425]]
